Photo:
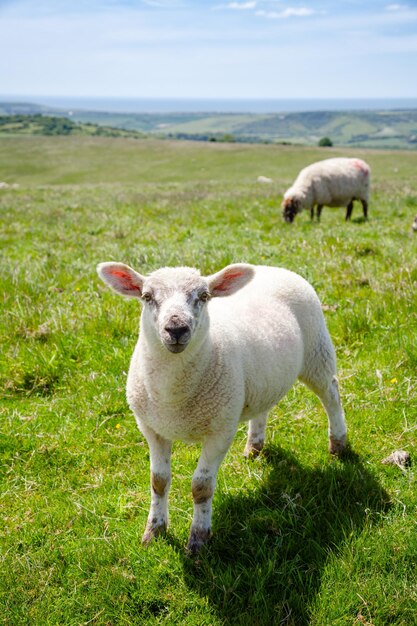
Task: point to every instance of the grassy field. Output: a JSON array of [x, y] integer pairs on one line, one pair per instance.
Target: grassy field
[[299, 537]]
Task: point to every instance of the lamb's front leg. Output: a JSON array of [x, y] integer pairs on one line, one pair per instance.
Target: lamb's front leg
[[203, 485], [160, 456]]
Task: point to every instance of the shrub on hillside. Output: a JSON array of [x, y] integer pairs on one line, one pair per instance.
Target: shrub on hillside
[[325, 142]]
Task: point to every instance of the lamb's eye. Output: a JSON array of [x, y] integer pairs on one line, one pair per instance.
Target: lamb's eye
[[146, 296], [204, 296]]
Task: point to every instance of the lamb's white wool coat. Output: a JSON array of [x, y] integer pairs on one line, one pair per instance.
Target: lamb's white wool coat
[[203, 363], [332, 182]]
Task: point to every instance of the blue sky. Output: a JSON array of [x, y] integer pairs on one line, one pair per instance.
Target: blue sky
[[231, 49]]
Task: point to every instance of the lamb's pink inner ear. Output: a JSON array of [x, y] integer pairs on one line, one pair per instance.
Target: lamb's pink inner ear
[[123, 279], [230, 280], [226, 283]]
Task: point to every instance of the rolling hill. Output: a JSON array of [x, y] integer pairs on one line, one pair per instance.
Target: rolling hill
[[367, 129]]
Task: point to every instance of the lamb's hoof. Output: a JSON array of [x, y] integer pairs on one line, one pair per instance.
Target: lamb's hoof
[[337, 446], [252, 450], [152, 531], [198, 538]]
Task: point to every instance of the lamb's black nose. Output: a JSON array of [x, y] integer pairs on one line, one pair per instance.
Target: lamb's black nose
[[177, 332]]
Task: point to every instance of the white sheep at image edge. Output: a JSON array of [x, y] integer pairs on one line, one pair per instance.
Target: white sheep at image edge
[[215, 351]]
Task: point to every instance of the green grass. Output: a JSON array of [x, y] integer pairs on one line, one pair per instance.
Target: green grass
[[299, 538]]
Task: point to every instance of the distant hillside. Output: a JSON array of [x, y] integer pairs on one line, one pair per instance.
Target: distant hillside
[[39, 124], [370, 129]]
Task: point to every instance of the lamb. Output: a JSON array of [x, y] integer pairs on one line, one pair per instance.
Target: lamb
[[212, 352], [332, 182]]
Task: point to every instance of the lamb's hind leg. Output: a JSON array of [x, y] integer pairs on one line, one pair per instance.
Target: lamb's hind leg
[[256, 436], [330, 398], [320, 376]]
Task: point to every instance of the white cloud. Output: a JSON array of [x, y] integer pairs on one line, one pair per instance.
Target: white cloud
[[241, 6], [396, 7], [286, 13]]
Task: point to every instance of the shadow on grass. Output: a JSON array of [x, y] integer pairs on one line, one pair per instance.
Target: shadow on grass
[[359, 220], [265, 561]]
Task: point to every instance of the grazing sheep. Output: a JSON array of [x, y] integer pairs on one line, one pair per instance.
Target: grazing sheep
[[332, 182], [414, 224], [205, 362]]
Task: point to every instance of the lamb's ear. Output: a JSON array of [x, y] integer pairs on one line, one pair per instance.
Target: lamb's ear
[[121, 278], [230, 279]]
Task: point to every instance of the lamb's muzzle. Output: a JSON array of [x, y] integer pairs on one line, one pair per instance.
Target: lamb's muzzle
[[176, 336]]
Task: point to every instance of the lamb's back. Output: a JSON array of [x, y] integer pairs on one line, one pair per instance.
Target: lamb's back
[[271, 321], [274, 313], [272, 290]]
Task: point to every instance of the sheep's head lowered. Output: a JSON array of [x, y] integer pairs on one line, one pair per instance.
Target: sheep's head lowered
[[174, 298], [291, 205]]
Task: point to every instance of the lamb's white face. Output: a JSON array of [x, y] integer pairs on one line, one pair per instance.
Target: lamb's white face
[[174, 300]]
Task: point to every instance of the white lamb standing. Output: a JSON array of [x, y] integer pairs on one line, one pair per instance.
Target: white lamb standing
[[215, 351], [332, 182]]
